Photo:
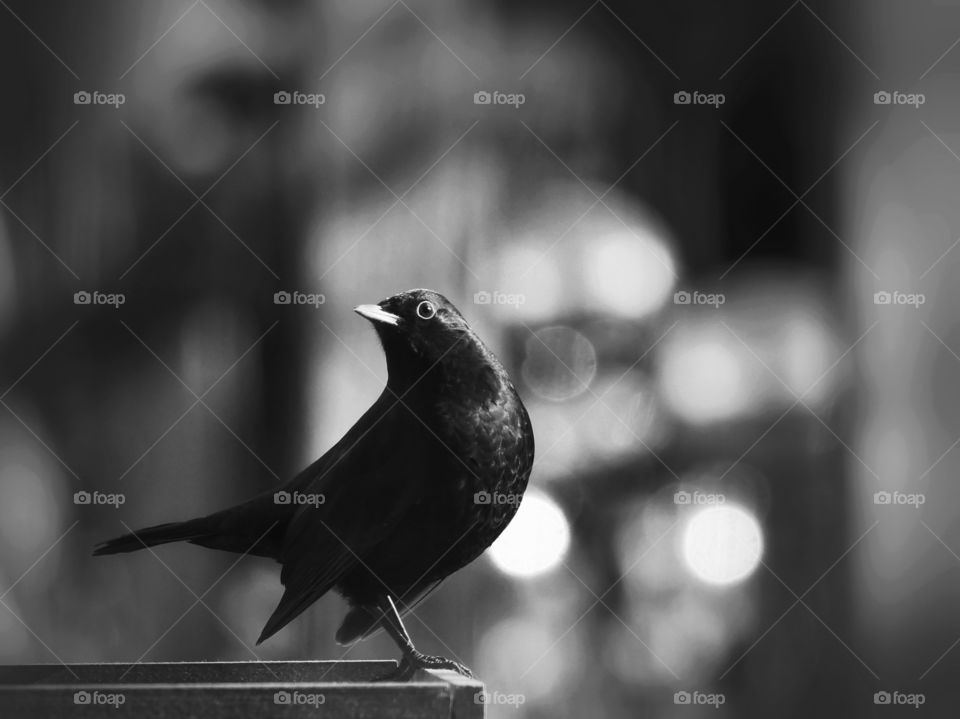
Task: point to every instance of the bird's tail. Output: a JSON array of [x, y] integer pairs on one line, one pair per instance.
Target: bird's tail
[[151, 536]]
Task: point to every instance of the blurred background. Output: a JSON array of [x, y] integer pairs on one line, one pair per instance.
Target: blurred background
[[715, 245]]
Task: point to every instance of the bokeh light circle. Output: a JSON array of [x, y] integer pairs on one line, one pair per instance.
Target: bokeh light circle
[[559, 364], [630, 273], [722, 545], [537, 539], [705, 376]]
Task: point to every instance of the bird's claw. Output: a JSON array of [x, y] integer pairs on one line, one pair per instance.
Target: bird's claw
[[411, 663]]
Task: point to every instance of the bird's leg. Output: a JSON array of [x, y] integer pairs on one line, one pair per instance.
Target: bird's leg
[[412, 659]]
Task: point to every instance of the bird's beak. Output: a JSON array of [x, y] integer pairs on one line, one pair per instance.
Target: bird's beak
[[375, 313]]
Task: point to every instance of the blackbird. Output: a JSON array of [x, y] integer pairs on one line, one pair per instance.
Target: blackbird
[[403, 500]]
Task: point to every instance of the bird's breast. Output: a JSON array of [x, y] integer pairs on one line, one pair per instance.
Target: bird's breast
[[485, 450]]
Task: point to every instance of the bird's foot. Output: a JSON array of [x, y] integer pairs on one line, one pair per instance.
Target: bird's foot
[[428, 661], [412, 662]]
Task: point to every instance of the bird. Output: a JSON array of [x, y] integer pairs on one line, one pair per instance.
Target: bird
[[425, 480]]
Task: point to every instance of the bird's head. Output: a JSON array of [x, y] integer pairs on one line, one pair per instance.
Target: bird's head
[[420, 330]]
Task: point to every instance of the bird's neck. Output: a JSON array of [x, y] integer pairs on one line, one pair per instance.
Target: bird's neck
[[470, 378]]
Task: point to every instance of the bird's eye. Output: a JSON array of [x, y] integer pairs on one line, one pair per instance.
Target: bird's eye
[[426, 310]]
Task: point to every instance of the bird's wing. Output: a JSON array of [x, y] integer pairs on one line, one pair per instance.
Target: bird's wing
[[366, 493]]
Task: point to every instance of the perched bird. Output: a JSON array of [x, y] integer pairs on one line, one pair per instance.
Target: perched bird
[[399, 503]]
